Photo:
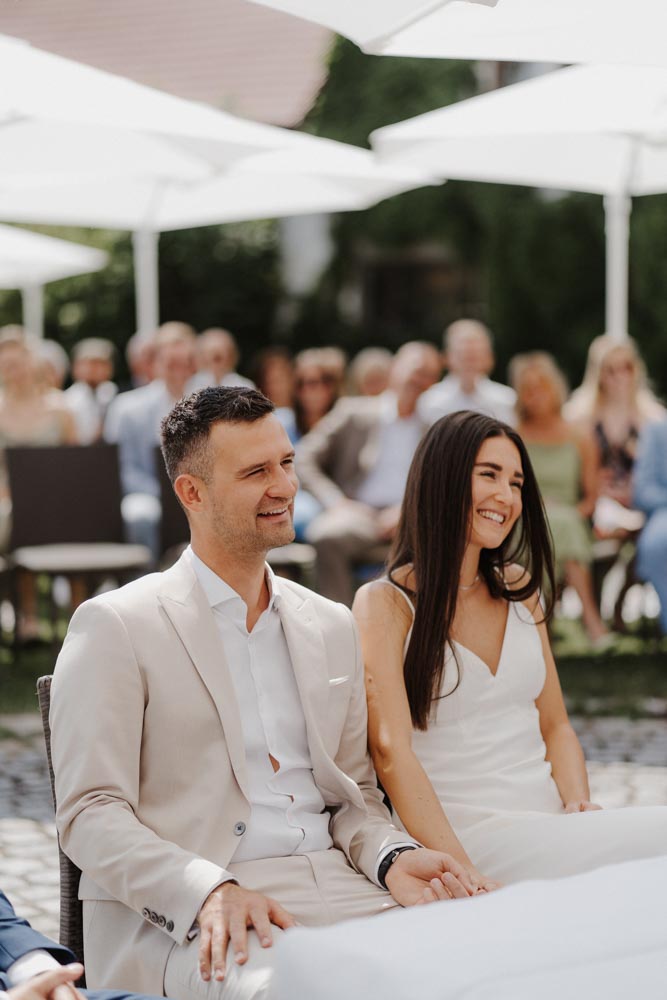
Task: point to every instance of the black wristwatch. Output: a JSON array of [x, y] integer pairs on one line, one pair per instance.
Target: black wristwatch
[[388, 861]]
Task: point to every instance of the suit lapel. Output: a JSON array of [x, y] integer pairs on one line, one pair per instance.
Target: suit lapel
[[188, 610], [309, 661]]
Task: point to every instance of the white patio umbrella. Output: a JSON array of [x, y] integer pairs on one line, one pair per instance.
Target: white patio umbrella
[[79, 146], [600, 129], [30, 260], [322, 176], [565, 31]]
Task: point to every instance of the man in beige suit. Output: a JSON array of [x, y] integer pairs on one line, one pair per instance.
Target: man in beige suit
[[209, 739], [355, 461]]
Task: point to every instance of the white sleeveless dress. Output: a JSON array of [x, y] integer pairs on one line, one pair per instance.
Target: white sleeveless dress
[[485, 757]]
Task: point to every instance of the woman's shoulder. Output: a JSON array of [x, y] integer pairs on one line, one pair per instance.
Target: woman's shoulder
[[386, 598]]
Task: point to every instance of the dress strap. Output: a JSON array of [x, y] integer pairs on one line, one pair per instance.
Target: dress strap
[[385, 579]]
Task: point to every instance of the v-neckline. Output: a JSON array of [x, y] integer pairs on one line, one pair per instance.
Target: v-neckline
[[492, 673]]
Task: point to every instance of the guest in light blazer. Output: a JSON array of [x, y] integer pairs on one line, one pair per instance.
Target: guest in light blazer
[[209, 739]]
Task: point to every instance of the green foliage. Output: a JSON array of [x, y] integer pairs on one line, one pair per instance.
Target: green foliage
[[216, 275]]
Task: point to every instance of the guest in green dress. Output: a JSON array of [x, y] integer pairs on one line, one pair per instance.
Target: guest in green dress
[[565, 462]]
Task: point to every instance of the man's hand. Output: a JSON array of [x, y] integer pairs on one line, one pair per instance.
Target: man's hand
[[581, 806], [56, 984], [225, 916], [422, 876]]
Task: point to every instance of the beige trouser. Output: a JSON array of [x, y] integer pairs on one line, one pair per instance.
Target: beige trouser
[[319, 888]]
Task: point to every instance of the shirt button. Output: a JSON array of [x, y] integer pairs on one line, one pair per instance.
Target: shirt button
[[170, 926], [161, 921], [146, 913], [239, 829], [153, 916]]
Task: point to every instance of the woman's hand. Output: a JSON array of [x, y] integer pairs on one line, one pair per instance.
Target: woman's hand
[[581, 806], [481, 883]]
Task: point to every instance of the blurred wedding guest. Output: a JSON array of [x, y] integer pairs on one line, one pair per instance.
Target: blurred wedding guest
[[368, 374], [52, 363], [272, 370], [355, 463], [133, 421], [217, 358], [469, 360], [615, 406], [92, 390], [565, 462], [30, 416], [650, 495], [319, 374], [140, 356]]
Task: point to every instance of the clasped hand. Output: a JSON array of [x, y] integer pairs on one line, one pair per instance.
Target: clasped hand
[[425, 876], [56, 984]]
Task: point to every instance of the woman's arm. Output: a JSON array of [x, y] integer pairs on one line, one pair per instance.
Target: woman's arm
[[590, 472], [564, 751], [383, 618]]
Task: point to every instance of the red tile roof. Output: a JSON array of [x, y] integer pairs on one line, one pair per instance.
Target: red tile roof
[[246, 59]]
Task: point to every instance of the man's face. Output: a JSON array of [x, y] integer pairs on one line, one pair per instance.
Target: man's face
[[175, 362], [92, 371], [217, 355], [470, 354], [250, 496]]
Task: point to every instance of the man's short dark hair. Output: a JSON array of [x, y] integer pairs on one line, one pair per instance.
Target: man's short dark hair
[[186, 428]]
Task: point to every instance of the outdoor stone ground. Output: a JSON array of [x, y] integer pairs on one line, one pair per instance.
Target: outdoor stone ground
[[627, 763]]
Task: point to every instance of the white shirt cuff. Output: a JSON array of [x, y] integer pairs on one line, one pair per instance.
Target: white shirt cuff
[[31, 964], [387, 850]]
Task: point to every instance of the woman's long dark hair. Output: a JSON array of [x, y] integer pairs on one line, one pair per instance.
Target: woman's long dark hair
[[432, 536]]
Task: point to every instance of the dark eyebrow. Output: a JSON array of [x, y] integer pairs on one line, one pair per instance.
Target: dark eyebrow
[[260, 465], [497, 468]]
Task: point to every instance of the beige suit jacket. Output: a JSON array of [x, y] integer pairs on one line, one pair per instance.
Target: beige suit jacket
[[336, 456], [149, 761]]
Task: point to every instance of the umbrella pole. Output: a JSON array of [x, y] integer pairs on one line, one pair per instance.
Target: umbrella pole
[[146, 279], [617, 208], [32, 297]]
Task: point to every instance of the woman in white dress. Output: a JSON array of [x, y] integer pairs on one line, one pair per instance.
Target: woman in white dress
[[467, 725]]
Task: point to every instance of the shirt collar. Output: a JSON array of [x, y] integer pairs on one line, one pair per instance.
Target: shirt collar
[[219, 593]]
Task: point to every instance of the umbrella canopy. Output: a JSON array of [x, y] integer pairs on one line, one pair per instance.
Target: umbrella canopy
[[565, 31], [83, 147], [323, 176], [57, 115], [30, 260], [372, 24], [601, 129]]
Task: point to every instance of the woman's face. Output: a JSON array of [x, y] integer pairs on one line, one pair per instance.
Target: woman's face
[[16, 365], [618, 374], [538, 396], [315, 389], [497, 479]]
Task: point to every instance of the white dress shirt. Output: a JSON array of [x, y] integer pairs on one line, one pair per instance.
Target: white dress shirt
[[488, 397], [287, 809]]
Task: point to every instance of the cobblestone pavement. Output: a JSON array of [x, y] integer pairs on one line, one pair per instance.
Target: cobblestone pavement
[[627, 764]]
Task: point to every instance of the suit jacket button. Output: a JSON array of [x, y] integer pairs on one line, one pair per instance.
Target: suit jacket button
[[154, 916], [170, 925], [239, 829], [161, 921], [146, 913]]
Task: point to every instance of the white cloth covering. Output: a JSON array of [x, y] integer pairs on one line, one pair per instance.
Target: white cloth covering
[[600, 934]]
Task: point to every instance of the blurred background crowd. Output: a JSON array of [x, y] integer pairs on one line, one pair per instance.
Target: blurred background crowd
[[599, 452]]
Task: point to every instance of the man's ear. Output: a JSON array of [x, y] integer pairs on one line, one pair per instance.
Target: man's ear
[[191, 491]]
